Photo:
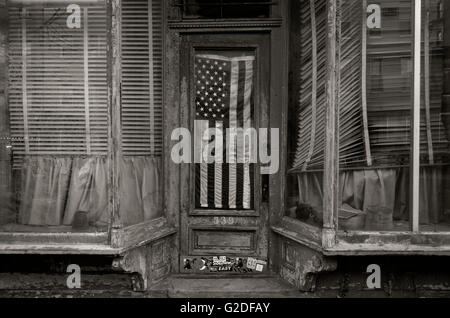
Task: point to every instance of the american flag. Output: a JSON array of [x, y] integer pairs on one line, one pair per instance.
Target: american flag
[[224, 99]]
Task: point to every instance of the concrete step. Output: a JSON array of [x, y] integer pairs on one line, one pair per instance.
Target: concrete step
[[222, 287]]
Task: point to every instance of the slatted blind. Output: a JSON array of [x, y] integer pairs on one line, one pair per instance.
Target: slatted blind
[[311, 106], [58, 89], [375, 87], [142, 92], [354, 142], [389, 84]]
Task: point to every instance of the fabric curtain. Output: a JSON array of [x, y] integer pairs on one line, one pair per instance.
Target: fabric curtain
[[88, 191], [44, 190], [387, 188], [7, 212], [54, 189], [140, 189]]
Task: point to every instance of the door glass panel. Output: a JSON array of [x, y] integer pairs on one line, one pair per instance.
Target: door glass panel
[[224, 129]]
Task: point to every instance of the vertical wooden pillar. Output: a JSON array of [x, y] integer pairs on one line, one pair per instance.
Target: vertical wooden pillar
[[279, 120], [415, 122], [331, 171], [114, 112]]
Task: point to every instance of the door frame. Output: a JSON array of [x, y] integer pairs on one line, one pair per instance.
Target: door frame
[[176, 115], [254, 223]]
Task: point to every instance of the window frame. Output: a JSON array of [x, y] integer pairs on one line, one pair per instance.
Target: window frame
[[118, 238], [329, 239]]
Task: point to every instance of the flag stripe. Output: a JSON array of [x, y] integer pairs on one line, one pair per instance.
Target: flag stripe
[[218, 166], [248, 124], [233, 125], [202, 126], [240, 149]]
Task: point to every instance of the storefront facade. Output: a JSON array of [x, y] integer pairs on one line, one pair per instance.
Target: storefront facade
[[105, 105]]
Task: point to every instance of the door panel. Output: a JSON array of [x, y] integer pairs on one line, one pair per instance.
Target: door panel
[[224, 225]]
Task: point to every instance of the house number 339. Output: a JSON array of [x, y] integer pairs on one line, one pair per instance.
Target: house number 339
[[223, 220]]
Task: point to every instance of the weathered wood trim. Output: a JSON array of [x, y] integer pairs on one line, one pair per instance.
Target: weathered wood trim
[[279, 104], [86, 243], [115, 112], [214, 24], [344, 249], [300, 264], [171, 115], [331, 171], [55, 2], [415, 118], [58, 249], [303, 232], [53, 238], [142, 233], [390, 243], [295, 237]]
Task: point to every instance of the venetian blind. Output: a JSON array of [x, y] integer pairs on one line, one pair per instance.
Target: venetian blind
[[142, 93], [58, 89], [311, 106]]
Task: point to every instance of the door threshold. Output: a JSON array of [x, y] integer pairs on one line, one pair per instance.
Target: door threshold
[[190, 286]]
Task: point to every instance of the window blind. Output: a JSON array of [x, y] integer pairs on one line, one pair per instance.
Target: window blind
[[142, 76], [311, 106], [58, 89]]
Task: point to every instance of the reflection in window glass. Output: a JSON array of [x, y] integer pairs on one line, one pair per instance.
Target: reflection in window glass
[[375, 113], [53, 124], [307, 112], [435, 125]]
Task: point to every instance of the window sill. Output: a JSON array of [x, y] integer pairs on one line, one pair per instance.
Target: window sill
[[364, 243], [57, 249], [141, 234], [53, 238], [122, 240], [302, 233], [390, 243]]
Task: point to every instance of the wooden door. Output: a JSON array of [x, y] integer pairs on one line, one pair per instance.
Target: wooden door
[[225, 84]]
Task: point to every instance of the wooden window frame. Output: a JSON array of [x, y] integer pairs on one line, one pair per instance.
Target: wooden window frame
[[329, 240], [178, 7], [118, 239]]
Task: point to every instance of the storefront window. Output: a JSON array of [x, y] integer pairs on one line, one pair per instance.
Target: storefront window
[[53, 118], [140, 165], [434, 206], [307, 111], [54, 169], [375, 115]]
